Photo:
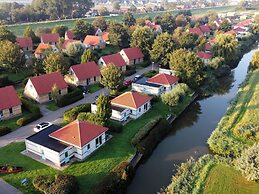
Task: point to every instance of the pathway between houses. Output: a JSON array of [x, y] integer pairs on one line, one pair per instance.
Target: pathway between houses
[[54, 117], [6, 188]]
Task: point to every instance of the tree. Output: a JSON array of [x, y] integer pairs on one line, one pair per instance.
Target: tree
[[218, 66], [225, 26], [133, 8], [180, 20], [118, 35], [186, 40], [81, 29], [60, 29], [116, 5], [161, 49], [112, 77], [256, 18], [11, 58], [226, 46], [42, 30], [167, 22], [100, 22], [128, 19], [104, 11], [142, 38], [141, 21], [255, 60], [104, 110], [54, 92], [28, 32], [212, 16], [248, 163], [87, 56], [75, 50], [188, 66], [6, 34], [55, 62]]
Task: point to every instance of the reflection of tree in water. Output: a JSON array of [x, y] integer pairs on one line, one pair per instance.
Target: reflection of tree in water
[[225, 84], [188, 117]]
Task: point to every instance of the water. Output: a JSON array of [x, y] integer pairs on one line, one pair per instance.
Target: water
[[189, 134]]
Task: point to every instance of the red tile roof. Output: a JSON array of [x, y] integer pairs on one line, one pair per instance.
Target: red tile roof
[[66, 42], [131, 100], [133, 53], [86, 70], [69, 34], [44, 83], [8, 98], [163, 79], [204, 55], [205, 29], [92, 40], [24, 42], [105, 36], [116, 59], [208, 46], [239, 29], [196, 31], [41, 48], [48, 38], [231, 32], [244, 23], [78, 133], [212, 40]]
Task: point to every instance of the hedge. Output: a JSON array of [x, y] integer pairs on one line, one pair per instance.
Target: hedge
[[72, 113], [114, 126], [144, 64], [130, 72], [4, 81], [4, 130], [70, 97]]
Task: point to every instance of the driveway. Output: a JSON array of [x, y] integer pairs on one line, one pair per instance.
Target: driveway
[[54, 117], [5, 188]]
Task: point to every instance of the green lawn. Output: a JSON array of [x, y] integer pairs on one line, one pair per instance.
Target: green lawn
[[109, 49], [52, 106], [94, 88], [224, 179], [19, 76], [93, 169], [18, 29]]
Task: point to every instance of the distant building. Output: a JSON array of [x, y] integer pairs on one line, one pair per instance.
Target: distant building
[[132, 56], [25, 43], [51, 38], [94, 42], [39, 53], [116, 59], [69, 35], [205, 56]]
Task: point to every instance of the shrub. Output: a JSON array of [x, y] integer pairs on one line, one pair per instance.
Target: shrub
[[4, 81], [122, 88], [72, 113], [114, 126], [42, 183], [70, 97], [130, 72], [150, 73], [27, 119], [4, 130], [144, 64], [87, 116], [248, 163]]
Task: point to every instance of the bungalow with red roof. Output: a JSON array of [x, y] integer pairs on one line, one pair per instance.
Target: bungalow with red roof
[[69, 35], [39, 88], [153, 27], [10, 104], [155, 85], [205, 56], [132, 56], [208, 47], [94, 42], [116, 59], [205, 30], [196, 31], [25, 43], [83, 74], [39, 53], [59, 145], [50, 38]]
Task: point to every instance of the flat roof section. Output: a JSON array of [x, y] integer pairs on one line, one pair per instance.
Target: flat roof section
[[143, 81]]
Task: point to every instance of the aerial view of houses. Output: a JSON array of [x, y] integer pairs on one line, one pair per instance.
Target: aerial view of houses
[[129, 97]]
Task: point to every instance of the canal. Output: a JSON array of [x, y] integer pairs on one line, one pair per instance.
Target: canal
[[189, 134]]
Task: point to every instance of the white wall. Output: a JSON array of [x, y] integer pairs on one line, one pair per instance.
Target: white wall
[[147, 89]]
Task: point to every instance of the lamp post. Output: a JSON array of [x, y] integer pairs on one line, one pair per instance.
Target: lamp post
[[153, 65], [84, 93]]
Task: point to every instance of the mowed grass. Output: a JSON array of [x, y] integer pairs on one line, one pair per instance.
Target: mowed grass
[[19, 28], [89, 172], [94, 88], [52, 106], [11, 123], [224, 179], [20, 75]]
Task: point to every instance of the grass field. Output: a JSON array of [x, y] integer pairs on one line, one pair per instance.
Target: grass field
[[226, 180], [52, 106], [94, 88], [19, 76], [19, 28], [93, 169]]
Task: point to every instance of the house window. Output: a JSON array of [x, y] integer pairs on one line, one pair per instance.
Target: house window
[[11, 110], [50, 98], [87, 81], [130, 111], [100, 140], [145, 106], [96, 142], [59, 92], [66, 154], [95, 79], [88, 146], [139, 109], [1, 113]]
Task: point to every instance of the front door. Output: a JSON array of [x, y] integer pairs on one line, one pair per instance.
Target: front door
[[43, 155], [66, 157]]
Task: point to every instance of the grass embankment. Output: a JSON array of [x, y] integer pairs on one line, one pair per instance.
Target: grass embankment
[[91, 171], [19, 28]]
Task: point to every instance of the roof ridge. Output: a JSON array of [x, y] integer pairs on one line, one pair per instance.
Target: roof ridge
[[79, 131], [134, 102]]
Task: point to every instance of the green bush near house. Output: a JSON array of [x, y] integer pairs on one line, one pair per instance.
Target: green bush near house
[[114, 126], [4, 130], [71, 115], [130, 72], [144, 64], [71, 97], [4, 81], [94, 87], [150, 73]]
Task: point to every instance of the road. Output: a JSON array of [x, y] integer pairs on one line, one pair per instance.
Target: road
[[6, 188], [55, 116]]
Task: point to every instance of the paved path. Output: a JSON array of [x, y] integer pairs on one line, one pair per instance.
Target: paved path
[[54, 117], [5, 188]]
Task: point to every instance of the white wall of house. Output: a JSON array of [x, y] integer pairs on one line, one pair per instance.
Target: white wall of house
[[10, 112], [101, 63], [147, 89], [166, 71], [130, 62]]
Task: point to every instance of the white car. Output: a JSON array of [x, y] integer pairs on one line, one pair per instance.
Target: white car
[[41, 126]]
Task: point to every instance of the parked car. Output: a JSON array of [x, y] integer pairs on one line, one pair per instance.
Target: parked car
[[137, 77], [127, 82], [41, 126], [83, 89]]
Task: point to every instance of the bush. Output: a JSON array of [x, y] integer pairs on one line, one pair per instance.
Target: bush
[[248, 163], [4, 130], [144, 64], [4, 81], [150, 73], [130, 72], [114, 126], [122, 88], [72, 113], [70, 97], [87, 116]]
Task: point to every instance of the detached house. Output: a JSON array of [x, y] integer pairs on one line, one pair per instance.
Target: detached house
[[25, 43], [39, 53], [39, 88], [155, 85], [205, 30], [51, 38], [94, 42], [10, 104], [205, 56], [59, 145], [132, 56], [83, 74], [196, 31], [116, 59], [69, 35]]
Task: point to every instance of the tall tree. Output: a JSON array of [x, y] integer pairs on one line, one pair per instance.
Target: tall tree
[[81, 29], [167, 22], [100, 22], [255, 60], [11, 58], [60, 29], [118, 35], [161, 49], [188, 66], [116, 5], [128, 19], [112, 78], [87, 56], [28, 32], [142, 38], [141, 21], [225, 26], [6, 34], [104, 110], [55, 62], [74, 50], [54, 92]]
